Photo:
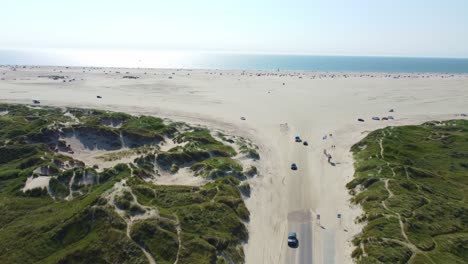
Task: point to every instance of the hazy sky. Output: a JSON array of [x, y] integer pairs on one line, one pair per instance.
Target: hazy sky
[[353, 27]]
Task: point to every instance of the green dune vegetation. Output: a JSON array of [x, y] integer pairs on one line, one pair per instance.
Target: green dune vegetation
[[57, 209], [412, 182]]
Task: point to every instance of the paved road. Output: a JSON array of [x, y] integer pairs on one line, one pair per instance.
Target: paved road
[[301, 223], [316, 240], [316, 243]]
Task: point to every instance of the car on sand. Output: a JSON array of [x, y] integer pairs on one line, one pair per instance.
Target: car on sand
[[293, 242], [293, 166], [297, 139]]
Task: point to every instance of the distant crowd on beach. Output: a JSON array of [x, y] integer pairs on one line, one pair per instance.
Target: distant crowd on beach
[[136, 73]]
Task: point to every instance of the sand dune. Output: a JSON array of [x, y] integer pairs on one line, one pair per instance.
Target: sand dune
[[312, 104]]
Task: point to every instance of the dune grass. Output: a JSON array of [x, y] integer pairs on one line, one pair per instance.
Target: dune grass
[[40, 230], [148, 126], [412, 182], [157, 237], [202, 139], [210, 218], [249, 150], [218, 167], [49, 225]]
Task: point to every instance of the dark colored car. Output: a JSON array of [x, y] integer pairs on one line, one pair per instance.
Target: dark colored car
[[360, 120], [297, 139], [293, 166], [305, 143], [292, 240]]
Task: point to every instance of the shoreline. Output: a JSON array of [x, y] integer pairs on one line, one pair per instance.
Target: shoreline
[[311, 107], [281, 72]]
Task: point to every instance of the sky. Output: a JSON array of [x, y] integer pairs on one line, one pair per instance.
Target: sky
[[414, 28]]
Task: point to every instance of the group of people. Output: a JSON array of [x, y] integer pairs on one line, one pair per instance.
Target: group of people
[[328, 155]]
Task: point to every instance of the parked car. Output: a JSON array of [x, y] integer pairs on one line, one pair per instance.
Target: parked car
[[36, 101], [293, 166], [293, 242], [297, 139], [360, 120], [305, 143]]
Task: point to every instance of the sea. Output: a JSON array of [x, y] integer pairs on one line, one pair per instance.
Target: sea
[[229, 61]]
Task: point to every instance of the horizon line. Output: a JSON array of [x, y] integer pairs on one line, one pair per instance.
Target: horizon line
[[228, 52]]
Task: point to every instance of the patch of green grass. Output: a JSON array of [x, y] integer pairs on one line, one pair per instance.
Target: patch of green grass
[[251, 171], [180, 157], [245, 189], [385, 252], [424, 167], [123, 200], [218, 167], [58, 189], [248, 149], [22, 122], [250, 152], [158, 237], [202, 139], [124, 153], [211, 217], [52, 231], [148, 126]]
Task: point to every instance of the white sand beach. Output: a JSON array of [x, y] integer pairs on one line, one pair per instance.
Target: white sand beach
[[277, 106]]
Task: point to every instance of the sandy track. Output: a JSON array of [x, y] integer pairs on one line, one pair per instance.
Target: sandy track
[[311, 107]]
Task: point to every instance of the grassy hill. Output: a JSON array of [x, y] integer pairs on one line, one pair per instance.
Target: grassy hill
[[115, 215], [412, 182]]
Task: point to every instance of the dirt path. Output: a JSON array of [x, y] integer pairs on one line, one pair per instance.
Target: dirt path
[[179, 231], [70, 195], [150, 212], [408, 243]]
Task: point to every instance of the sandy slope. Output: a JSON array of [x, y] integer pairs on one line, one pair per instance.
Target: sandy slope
[[312, 105]]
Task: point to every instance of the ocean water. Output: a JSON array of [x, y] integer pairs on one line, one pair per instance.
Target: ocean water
[[230, 61]]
